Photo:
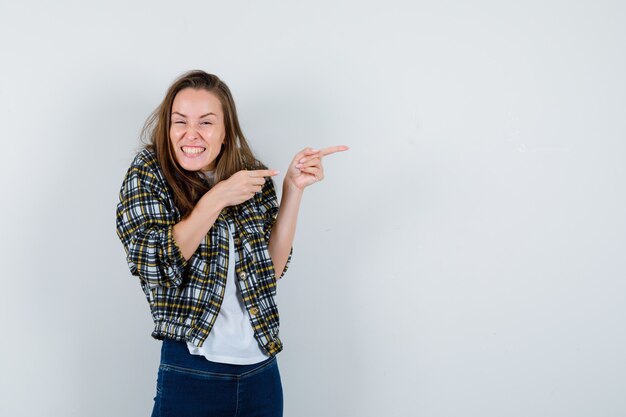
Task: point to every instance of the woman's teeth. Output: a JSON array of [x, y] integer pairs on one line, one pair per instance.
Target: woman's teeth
[[192, 150]]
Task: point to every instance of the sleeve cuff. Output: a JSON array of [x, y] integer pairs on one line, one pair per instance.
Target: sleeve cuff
[[173, 252]]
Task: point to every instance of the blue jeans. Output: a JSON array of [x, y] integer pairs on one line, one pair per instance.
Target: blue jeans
[[190, 385]]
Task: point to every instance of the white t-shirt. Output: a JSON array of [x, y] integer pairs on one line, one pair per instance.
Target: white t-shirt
[[231, 339]]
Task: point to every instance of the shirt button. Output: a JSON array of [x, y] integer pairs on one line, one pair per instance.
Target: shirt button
[[271, 345], [237, 241], [254, 311], [242, 275]]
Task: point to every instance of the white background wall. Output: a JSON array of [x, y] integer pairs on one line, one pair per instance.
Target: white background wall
[[464, 258]]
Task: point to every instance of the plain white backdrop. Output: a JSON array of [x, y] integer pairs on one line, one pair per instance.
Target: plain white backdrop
[[464, 258]]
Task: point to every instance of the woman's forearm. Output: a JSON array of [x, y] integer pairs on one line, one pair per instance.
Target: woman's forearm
[[284, 230], [189, 232], [240, 187]]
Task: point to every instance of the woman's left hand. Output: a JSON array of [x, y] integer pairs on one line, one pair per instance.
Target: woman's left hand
[[306, 167]]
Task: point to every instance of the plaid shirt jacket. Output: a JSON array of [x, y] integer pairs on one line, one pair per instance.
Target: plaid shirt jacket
[[185, 295]]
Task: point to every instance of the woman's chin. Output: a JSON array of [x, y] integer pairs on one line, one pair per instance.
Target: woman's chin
[[193, 163]]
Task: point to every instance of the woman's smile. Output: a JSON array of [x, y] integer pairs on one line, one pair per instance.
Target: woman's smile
[[192, 151]]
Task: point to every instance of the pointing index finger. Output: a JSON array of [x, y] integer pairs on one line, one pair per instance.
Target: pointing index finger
[[332, 149], [258, 173]]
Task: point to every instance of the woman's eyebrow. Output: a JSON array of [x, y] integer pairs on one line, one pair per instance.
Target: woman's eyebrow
[[204, 115]]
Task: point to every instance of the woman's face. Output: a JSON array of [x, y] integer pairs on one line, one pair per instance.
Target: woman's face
[[197, 129]]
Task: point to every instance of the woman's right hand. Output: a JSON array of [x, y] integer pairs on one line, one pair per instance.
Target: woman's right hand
[[241, 186]]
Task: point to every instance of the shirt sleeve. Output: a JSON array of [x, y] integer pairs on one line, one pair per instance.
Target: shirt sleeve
[[145, 225], [268, 206]]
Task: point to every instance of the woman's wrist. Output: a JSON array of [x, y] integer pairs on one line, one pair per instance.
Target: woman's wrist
[[290, 188]]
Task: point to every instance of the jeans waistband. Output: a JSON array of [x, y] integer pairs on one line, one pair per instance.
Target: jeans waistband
[[176, 354]]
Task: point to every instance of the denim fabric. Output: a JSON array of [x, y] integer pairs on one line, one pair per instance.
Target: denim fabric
[[190, 385]]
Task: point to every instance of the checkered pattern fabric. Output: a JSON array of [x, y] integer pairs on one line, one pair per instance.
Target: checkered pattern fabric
[[185, 295]]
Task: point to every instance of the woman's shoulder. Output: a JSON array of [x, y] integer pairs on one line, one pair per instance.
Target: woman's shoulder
[[146, 157], [145, 166], [146, 161]]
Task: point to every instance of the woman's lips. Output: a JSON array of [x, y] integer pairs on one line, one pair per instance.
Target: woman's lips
[[192, 151]]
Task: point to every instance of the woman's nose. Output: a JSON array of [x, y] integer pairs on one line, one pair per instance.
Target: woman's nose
[[192, 131]]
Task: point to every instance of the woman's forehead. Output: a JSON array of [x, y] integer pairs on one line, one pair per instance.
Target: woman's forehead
[[190, 102]]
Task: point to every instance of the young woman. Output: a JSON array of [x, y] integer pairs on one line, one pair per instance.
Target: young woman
[[200, 222]]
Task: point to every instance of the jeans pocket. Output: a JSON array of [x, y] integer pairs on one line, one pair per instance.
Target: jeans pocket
[[188, 392]]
